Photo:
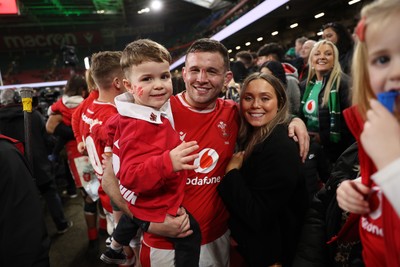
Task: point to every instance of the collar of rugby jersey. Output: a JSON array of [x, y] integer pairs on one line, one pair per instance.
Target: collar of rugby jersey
[[126, 107]]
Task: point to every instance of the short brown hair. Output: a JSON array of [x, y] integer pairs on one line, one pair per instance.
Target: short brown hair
[[245, 56], [105, 66], [209, 45], [272, 49], [143, 50]]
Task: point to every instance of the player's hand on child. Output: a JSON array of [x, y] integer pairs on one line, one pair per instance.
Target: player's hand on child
[[235, 162], [185, 223], [178, 226], [381, 135], [182, 155], [298, 131], [352, 197]]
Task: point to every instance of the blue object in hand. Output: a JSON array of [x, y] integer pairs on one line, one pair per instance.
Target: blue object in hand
[[388, 99]]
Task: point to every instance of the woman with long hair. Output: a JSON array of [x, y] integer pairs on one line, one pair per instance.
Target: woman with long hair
[[263, 188], [325, 94]]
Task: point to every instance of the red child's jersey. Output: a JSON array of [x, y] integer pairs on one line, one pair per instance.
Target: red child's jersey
[[215, 131], [65, 106], [142, 140], [380, 228]]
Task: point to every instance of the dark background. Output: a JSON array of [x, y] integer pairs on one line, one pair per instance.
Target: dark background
[[35, 39]]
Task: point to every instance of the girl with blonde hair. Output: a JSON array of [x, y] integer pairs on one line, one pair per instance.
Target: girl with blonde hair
[[376, 200]]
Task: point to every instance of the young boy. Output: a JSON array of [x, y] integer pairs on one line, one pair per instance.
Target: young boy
[[149, 158]]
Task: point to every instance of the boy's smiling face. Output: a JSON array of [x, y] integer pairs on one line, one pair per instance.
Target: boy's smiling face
[[150, 83]]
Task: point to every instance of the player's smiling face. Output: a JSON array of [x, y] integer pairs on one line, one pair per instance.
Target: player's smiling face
[[205, 75]]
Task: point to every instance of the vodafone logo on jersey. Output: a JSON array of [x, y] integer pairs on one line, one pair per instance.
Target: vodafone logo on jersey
[[310, 106], [375, 203], [206, 161], [370, 223]]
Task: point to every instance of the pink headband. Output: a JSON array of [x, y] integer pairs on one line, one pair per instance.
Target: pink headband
[[360, 30]]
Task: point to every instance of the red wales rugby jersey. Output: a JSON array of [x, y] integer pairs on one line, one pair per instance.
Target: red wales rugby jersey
[[76, 122], [95, 138], [215, 130]]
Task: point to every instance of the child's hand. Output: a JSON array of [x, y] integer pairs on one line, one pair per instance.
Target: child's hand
[[235, 162], [381, 135], [81, 147], [180, 156], [351, 196], [107, 162]]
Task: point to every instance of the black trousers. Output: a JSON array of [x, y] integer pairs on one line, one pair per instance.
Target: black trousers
[[316, 168], [187, 249]]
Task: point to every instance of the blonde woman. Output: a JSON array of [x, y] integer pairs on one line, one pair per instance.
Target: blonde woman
[[325, 94]]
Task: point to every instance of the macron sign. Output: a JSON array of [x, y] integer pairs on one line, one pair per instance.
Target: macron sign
[[50, 40]]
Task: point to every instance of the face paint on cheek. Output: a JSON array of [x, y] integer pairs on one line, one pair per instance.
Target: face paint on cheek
[[139, 91]]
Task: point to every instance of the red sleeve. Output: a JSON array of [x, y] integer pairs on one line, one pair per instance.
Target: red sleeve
[[145, 161], [55, 108], [111, 127], [101, 130], [147, 173]]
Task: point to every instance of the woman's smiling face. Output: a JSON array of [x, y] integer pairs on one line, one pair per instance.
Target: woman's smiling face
[[259, 104], [323, 59]]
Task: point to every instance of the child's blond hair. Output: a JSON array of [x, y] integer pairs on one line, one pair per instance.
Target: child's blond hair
[[143, 50], [89, 80], [374, 16]]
